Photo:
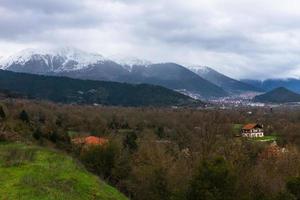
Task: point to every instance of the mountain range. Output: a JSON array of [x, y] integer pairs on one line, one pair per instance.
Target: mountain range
[[79, 64]]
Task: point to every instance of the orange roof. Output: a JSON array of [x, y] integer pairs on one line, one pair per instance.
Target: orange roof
[[90, 140], [249, 126]]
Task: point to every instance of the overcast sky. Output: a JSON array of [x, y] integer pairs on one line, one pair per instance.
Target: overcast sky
[[241, 38]]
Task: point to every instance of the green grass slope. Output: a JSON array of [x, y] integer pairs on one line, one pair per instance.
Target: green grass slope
[[34, 173]]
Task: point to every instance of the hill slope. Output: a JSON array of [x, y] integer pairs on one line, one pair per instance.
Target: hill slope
[[175, 77], [67, 90], [228, 84], [279, 95], [33, 173]]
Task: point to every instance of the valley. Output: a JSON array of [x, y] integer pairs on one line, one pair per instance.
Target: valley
[[139, 148], [149, 100]]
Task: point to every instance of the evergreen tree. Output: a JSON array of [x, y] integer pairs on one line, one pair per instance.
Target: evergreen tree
[[160, 132], [130, 141], [54, 137], [24, 116], [2, 113], [37, 134]]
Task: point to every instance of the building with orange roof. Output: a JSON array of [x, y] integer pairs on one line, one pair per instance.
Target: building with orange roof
[[90, 140], [252, 130]]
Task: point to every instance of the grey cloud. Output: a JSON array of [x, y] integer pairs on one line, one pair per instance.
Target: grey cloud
[[47, 6], [24, 20], [244, 39]]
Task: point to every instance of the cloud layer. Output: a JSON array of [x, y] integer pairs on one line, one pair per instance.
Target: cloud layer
[[244, 39]]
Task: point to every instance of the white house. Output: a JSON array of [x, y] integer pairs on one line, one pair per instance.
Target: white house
[[252, 130]]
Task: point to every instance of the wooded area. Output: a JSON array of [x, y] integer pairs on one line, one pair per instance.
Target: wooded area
[[169, 154]]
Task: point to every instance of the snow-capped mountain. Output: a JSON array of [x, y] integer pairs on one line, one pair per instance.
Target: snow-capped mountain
[[50, 60], [78, 64], [231, 85], [201, 69], [129, 62]]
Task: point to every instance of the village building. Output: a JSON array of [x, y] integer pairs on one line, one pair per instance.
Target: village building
[[89, 141], [252, 130]]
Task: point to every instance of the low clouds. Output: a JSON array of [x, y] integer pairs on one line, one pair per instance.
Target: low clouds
[[243, 39]]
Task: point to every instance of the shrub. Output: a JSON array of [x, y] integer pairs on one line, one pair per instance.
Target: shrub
[[293, 186], [54, 137], [285, 196], [100, 159], [37, 134]]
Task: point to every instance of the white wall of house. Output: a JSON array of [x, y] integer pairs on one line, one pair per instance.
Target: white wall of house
[[253, 133]]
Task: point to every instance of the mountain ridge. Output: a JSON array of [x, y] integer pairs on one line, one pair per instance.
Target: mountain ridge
[[68, 90], [231, 85], [278, 95], [292, 84]]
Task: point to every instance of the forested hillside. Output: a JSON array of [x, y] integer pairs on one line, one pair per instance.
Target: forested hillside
[[67, 90]]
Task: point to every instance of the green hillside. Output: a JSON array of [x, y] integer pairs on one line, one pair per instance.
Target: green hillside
[[36, 173]]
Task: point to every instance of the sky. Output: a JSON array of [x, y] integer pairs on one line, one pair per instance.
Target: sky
[[241, 38]]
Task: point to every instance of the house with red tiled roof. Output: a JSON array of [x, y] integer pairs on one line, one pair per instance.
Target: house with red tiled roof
[[252, 130]]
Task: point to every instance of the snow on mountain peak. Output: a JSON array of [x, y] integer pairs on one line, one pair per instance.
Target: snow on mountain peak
[[82, 57], [19, 58], [68, 54], [128, 62], [201, 69]]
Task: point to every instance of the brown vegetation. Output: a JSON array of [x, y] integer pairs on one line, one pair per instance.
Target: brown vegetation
[[170, 154]]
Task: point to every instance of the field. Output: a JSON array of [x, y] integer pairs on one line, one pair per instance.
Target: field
[[35, 173], [268, 138]]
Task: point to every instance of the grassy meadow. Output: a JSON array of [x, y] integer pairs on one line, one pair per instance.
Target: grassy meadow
[[35, 173]]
